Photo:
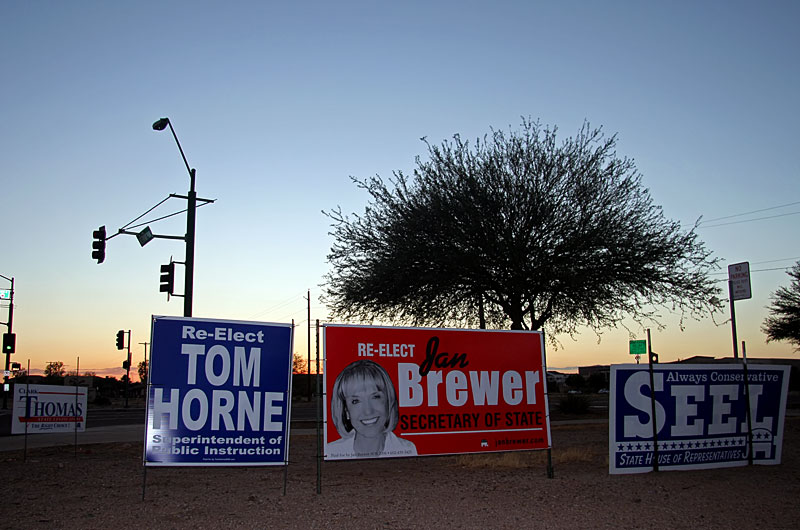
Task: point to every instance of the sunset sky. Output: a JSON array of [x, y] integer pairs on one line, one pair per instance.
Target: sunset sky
[[277, 104]]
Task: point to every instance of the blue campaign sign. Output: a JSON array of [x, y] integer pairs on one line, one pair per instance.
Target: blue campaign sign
[[701, 416], [219, 393]]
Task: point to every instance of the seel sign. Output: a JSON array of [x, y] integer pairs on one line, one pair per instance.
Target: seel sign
[[701, 416]]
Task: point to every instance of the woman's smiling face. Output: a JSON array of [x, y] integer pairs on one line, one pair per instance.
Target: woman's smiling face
[[367, 408]]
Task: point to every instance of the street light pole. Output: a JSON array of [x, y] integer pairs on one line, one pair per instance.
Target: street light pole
[[188, 285], [160, 125]]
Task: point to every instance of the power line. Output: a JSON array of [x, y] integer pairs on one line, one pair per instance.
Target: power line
[[750, 213], [774, 269], [747, 220], [754, 270], [279, 305], [776, 260]]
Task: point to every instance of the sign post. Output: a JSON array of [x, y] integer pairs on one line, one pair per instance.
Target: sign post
[[738, 289]]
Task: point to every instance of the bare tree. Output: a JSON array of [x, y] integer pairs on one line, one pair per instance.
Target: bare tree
[[518, 230], [783, 322], [54, 369]]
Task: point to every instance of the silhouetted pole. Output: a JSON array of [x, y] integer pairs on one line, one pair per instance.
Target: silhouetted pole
[[652, 401], [733, 321], [160, 125], [747, 405], [10, 325], [308, 362], [188, 285]]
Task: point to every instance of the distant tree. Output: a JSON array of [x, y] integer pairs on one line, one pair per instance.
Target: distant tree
[[108, 386], [783, 322], [299, 364], [143, 371], [54, 369], [597, 381], [575, 381], [90, 373], [517, 230]]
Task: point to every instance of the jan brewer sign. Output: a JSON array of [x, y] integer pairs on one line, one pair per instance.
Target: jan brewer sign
[[394, 392], [48, 408], [701, 416], [219, 393]]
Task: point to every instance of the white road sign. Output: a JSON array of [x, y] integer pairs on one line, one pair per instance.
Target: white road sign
[[739, 276]]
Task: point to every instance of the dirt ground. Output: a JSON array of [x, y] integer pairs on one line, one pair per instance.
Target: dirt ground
[[101, 486]]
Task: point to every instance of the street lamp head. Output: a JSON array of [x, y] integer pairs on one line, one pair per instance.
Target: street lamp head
[[161, 124]]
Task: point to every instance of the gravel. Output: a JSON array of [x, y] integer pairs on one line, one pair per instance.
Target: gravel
[[101, 486]]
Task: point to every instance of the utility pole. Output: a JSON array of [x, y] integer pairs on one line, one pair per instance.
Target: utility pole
[[146, 364], [128, 369], [12, 338], [308, 362]]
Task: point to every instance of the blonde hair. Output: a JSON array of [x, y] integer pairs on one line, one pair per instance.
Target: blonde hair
[[359, 372]]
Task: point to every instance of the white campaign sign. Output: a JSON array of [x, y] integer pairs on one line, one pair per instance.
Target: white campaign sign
[[48, 408]]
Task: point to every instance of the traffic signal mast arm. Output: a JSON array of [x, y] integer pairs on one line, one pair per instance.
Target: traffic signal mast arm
[[155, 236], [100, 236]]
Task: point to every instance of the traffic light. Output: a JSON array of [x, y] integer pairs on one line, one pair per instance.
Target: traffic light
[[9, 342], [167, 278], [121, 340], [653, 358], [99, 245], [126, 364]]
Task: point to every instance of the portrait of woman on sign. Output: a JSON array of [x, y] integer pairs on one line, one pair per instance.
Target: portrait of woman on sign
[[364, 411]]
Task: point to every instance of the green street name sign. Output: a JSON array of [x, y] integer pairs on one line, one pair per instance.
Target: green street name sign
[[638, 347]]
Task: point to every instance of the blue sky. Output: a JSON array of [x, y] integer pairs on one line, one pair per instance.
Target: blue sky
[[277, 104]]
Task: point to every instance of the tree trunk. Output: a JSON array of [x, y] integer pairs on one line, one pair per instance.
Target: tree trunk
[[481, 313], [517, 316]]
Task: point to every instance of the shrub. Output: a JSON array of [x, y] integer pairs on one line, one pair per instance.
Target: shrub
[[574, 404]]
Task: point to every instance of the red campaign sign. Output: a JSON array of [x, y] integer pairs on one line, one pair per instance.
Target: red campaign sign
[[393, 392]]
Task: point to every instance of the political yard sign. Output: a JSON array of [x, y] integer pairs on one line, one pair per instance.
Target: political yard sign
[[394, 392], [701, 416], [219, 393], [48, 408]]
